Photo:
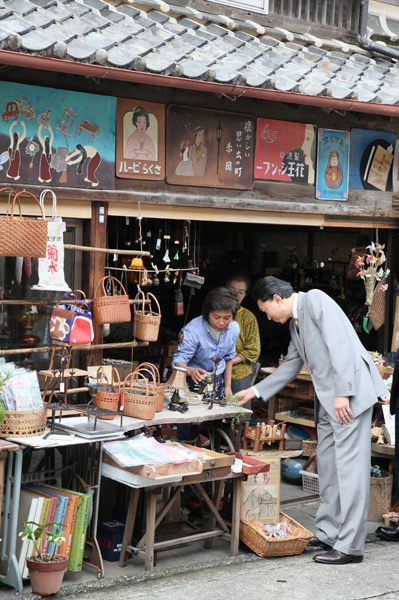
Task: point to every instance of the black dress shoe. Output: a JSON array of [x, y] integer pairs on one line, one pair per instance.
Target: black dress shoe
[[316, 543], [334, 557], [391, 534]]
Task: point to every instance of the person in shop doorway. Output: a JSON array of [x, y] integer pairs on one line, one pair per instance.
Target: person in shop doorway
[[346, 384], [212, 335], [391, 534], [248, 342]]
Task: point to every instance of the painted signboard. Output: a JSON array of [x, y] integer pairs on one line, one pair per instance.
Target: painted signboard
[[332, 164], [364, 160], [56, 137], [285, 151], [209, 148], [140, 139]]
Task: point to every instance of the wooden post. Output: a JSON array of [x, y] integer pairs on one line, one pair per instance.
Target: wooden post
[[93, 266], [150, 529], [257, 438], [128, 531], [244, 439]]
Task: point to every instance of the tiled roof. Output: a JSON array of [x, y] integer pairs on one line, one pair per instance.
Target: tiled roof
[[184, 42]]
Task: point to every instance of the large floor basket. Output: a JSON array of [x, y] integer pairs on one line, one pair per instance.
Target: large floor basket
[[262, 546]]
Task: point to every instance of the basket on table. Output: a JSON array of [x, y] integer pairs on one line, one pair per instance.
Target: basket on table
[[111, 309], [139, 397], [108, 395], [309, 447], [263, 546], [23, 423], [146, 322], [160, 387]]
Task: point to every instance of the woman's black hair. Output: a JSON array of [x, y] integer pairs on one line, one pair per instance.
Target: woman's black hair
[[139, 111], [47, 148], [220, 298], [83, 152], [15, 136], [239, 276]]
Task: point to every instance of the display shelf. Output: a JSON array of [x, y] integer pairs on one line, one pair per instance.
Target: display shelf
[[299, 421]]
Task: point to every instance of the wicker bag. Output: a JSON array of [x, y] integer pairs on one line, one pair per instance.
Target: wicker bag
[[108, 396], [377, 308], [146, 322], [111, 309], [139, 397], [22, 236], [160, 387]]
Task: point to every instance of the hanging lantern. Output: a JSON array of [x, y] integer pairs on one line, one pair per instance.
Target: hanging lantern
[[138, 265]]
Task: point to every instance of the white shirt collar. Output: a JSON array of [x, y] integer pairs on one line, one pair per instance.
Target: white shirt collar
[[295, 307]]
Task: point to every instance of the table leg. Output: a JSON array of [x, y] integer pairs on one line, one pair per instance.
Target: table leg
[[272, 407], [150, 530], [235, 518], [128, 532], [212, 520]]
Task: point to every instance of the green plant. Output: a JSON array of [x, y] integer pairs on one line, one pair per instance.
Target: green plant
[[3, 378], [35, 533], [375, 471], [233, 402]]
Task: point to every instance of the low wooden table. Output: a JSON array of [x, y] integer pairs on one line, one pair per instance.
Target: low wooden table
[[299, 389]]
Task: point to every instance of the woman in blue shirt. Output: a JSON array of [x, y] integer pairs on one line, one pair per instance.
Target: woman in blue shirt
[[213, 335]]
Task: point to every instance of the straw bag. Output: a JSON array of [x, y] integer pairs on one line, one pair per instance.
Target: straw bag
[[139, 397], [160, 387], [108, 396], [146, 323], [22, 236], [111, 309], [377, 308]]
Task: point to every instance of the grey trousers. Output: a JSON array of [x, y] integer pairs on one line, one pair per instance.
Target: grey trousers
[[343, 456]]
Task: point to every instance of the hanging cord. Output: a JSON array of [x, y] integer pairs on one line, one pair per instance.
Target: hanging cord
[[108, 284], [195, 243]]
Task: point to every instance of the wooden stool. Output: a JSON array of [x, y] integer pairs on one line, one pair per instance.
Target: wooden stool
[[262, 434]]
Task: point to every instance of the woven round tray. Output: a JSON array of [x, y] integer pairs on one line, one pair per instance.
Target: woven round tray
[[262, 546], [23, 423]]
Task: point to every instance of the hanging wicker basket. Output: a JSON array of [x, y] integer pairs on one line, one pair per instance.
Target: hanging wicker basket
[[139, 397], [160, 387], [109, 396], [146, 322], [111, 309]]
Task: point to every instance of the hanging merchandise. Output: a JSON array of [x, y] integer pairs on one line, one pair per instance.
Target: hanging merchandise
[[146, 279], [166, 257], [128, 235], [179, 303], [22, 236], [155, 279], [167, 274], [377, 308], [372, 273], [146, 322], [111, 309], [158, 242], [71, 321], [51, 268]]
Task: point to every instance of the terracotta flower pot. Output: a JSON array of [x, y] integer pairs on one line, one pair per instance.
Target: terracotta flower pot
[[46, 577]]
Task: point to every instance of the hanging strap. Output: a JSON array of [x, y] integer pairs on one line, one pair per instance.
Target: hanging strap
[[54, 215]]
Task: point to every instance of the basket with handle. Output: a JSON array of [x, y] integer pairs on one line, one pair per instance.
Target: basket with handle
[[146, 322], [106, 398], [111, 309], [160, 387], [140, 397], [23, 236]]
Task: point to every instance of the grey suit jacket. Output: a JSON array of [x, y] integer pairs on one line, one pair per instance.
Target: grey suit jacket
[[338, 363]]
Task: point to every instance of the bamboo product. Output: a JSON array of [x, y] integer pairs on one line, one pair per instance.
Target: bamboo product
[[23, 423], [23, 236], [140, 397], [111, 309], [146, 322], [109, 396], [263, 546], [160, 387], [309, 447]]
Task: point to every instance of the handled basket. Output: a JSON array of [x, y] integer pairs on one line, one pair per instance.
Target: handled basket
[[160, 387], [108, 400], [140, 397], [111, 309], [146, 322], [23, 236]]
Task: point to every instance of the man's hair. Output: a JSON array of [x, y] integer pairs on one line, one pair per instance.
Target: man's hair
[[241, 276], [220, 298], [267, 287]]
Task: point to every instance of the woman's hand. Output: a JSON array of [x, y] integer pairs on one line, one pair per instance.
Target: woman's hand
[[195, 374]]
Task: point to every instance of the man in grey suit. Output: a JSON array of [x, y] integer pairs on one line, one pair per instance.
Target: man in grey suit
[[346, 384]]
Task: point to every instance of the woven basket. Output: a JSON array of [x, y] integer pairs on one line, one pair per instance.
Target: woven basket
[[22, 236], [108, 400], [146, 323], [139, 397], [23, 423], [159, 387], [262, 546], [111, 309], [291, 442], [309, 447]]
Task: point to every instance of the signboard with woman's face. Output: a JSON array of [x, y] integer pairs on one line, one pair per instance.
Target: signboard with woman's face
[[140, 139]]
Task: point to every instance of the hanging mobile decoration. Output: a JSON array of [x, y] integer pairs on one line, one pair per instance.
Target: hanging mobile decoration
[[176, 276], [166, 237], [146, 280], [185, 239], [158, 244], [128, 236], [166, 256], [167, 274], [155, 279]]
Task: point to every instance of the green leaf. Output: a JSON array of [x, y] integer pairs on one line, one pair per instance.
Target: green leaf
[[1, 410]]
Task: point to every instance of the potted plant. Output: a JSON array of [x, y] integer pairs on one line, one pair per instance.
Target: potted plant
[[46, 571]]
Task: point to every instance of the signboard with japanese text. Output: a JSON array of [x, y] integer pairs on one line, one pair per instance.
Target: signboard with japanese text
[[140, 139], [56, 137], [332, 164], [209, 148], [363, 157], [285, 151]]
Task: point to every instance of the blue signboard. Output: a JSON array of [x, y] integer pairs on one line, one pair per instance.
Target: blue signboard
[[332, 164]]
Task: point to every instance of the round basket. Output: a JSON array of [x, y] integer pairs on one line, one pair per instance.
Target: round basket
[[108, 400], [23, 423], [159, 387], [146, 323], [140, 397]]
